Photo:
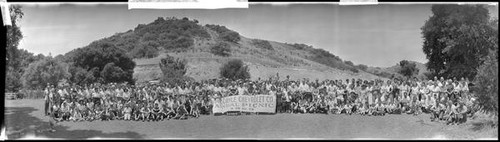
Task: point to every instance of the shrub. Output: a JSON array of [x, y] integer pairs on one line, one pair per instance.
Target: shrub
[[145, 50], [173, 69], [362, 67], [486, 84], [263, 44], [230, 36], [235, 69], [407, 68], [224, 33], [221, 49]]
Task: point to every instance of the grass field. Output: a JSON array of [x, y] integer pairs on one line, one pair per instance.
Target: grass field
[[24, 119]]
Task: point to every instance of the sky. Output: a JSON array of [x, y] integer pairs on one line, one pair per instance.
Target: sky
[[376, 35]]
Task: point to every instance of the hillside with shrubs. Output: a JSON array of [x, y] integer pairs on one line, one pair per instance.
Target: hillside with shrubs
[[207, 47]]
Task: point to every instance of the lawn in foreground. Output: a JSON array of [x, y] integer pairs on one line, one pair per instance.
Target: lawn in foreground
[[24, 118]]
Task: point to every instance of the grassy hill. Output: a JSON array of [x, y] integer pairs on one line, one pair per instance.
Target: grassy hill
[[185, 38]]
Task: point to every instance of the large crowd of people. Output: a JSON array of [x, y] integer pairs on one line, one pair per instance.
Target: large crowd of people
[[448, 101]]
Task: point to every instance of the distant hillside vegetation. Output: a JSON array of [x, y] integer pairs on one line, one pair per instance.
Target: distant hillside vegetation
[[391, 71], [186, 38]]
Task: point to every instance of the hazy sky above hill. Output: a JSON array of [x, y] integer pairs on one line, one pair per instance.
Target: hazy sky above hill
[[380, 35]]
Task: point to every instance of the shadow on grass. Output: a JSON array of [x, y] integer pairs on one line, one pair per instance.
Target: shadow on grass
[[19, 123], [482, 124]]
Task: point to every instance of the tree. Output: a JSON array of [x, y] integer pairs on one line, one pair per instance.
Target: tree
[[230, 36], [486, 84], [407, 68], [456, 38], [113, 74], [173, 70], [263, 44], [41, 72], [362, 67], [13, 59], [94, 58], [145, 50], [221, 49], [81, 76], [349, 63], [235, 69], [14, 35]]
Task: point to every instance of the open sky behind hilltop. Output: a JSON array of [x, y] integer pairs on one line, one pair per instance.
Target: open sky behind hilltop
[[380, 35]]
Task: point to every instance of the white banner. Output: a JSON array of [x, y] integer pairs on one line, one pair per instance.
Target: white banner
[[244, 103]]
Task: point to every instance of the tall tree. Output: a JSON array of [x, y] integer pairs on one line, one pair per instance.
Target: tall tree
[[456, 38], [44, 71], [13, 63]]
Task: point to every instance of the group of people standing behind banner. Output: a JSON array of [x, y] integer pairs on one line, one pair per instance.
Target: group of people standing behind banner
[[447, 100]]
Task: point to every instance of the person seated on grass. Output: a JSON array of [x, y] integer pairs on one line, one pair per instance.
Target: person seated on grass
[[446, 117], [323, 107], [204, 108], [362, 110], [57, 112], [150, 107], [98, 114], [113, 110], [119, 112], [441, 110], [453, 120], [89, 114], [169, 112], [295, 107], [136, 112], [127, 113], [462, 116], [348, 109], [397, 109], [311, 107], [390, 108], [371, 110], [76, 115], [195, 108], [335, 109], [162, 114], [156, 112], [181, 112], [65, 110], [140, 112], [379, 110]]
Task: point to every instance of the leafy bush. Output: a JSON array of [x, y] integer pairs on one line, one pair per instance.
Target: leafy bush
[[221, 49], [362, 67], [224, 33], [173, 69], [263, 44], [300, 46], [145, 50], [408, 69], [349, 63], [234, 70], [486, 84]]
